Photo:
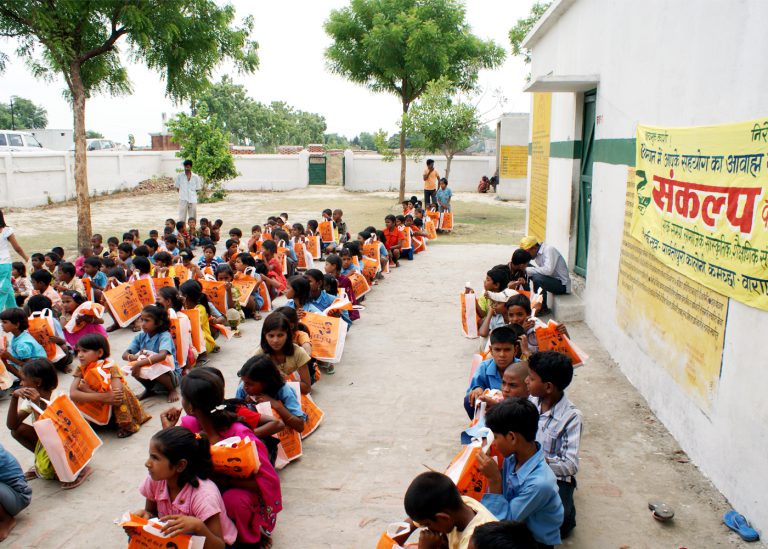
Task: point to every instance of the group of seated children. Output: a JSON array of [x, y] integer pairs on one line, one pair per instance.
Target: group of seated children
[[182, 483], [518, 393]]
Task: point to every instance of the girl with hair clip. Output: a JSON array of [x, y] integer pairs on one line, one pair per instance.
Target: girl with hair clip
[[277, 343], [251, 503], [179, 492]]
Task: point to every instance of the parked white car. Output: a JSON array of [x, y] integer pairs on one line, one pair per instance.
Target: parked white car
[[11, 140]]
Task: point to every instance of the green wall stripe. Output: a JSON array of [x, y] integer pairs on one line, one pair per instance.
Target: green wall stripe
[[565, 149], [615, 151], [607, 151]]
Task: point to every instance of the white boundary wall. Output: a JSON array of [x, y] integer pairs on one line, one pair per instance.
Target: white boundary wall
[[34, 179], [370, 172], [664, 77]]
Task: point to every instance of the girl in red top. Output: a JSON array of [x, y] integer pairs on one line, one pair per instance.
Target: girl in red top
[[392, 239]]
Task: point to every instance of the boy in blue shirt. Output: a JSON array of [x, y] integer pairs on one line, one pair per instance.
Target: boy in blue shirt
[[526, 489], [559, 430], [505, 349]]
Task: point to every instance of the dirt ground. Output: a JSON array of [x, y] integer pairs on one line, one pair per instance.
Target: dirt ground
[[480, 218], [393, 408]]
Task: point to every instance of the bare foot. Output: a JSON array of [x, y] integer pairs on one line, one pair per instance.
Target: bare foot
[[113, 328], [173, 396], [265, 542], [146, 394], [6, 525], [31, 473]]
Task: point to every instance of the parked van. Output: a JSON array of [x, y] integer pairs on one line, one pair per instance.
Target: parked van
[[11, 140]]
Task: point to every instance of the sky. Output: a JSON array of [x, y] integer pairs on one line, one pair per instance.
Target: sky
[[291, 69]]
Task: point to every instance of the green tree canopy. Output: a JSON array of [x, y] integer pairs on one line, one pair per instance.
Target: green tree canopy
[[92, 134], [22, 114], [202, 141], [523, 26], [398, 46], [443, 121], [184, 40]]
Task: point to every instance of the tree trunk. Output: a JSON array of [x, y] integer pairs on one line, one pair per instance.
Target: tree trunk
[[448, 160], [402, 151], [81, 163]]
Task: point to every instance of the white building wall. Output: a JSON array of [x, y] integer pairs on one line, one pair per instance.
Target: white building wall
[[373, 173], [651, 72], [34, 179], [513, 130]]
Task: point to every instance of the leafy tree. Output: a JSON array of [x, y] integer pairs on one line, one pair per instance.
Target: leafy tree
[[207, 147], [398, 46], [131, 141], [336, 141], [523, 26], [443, 122], [366, 141], [236, 113], [91, 134], [22, 113], [183, 39], [488, 132]]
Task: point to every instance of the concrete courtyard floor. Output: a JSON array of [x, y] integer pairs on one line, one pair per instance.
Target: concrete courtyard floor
[[394, 408]]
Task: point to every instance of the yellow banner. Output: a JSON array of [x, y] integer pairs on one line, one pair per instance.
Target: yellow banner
[[702, 204], [513, 162], [537, 198], [673, 319]]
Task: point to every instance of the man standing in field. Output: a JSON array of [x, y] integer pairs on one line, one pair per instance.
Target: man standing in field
[[188, 184]]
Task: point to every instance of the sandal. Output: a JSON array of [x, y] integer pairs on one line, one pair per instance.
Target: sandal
[[739, 524], [31, 473], [124, 433], [84, 474]]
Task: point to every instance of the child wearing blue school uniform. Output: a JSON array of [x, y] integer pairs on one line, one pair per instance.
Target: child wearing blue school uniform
[[505, 349], [526, 488], [560, 424]]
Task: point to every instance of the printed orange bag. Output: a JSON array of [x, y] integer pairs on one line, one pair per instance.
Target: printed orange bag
[[446, 221], [66, 436], [395, 531], [123, 302], [145, 290], [41, 328], [419, 244], [163, 282], [549, 339], [88, 289], [267, 300], [182, 273], [314, 415], [468, 315], [328, 335], [99, 378], [313, 244], [235, 457], [359, 284], [405, 238], [181, 333], [434, 216], [246, 285], [216, 292], [327, 232], [147, 534], [371, 268], [195, 329], [463, 470], [429, 228]]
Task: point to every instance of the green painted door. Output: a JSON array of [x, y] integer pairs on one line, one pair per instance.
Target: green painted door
[[585, 182], [317, 170]]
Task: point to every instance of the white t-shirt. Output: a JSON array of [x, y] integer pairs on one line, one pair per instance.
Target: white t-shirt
[[5, 248]]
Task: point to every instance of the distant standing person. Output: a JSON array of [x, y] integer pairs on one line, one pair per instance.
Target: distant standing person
[[7, 236], [444, 196], [188, 184], [431, 177]]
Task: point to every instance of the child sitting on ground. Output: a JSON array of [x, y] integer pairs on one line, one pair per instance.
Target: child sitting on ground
[[38, 380], [23, 347], [252, 503], [209, 262], [505, 349], [22, 287], [526, 489], [67, 279], [235, 315], [261, 381], [559, 431], [433, 501], [178, 489], [495, 281], [512, 384], [277, 343], [38, 304], [100, 391], [41, 285], [519, 312], [15, 493], [497, 313], [518, 278], [154, 344], [274, 268], [503, 534], [192, 294], [85, 323], [392, 239]]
